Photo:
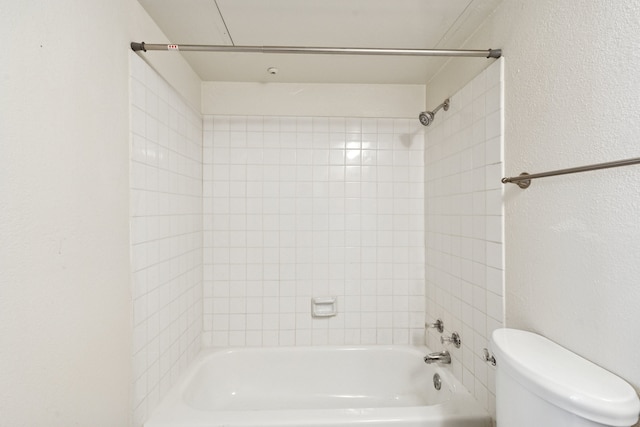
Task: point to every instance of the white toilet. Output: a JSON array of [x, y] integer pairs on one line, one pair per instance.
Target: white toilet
[[540, 384]]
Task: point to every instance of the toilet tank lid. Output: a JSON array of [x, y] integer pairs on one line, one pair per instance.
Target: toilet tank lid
[[565, 379]]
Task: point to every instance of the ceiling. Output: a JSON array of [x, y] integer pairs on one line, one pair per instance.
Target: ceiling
[[425, 24]]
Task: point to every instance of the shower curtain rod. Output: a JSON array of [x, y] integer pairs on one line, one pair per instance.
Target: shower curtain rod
[[489, 53]]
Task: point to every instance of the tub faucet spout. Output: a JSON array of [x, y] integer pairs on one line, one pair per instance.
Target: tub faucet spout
[[439, 357]]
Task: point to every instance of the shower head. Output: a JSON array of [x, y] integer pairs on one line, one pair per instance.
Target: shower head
[[426, 117]]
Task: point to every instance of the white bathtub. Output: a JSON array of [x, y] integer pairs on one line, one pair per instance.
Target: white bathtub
[[317, 386]]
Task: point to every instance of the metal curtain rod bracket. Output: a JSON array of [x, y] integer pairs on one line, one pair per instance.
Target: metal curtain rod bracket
[[524, 180], [488, 53]]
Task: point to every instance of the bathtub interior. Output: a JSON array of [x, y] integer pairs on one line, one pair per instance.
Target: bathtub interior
[[331, 378]]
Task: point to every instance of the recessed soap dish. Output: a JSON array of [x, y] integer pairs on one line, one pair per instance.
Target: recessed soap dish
[[324, 306]]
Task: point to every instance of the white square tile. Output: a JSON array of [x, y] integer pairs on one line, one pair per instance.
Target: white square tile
[[495, 281], [494, 228], [320, 124], [494, 255], [337, 124]]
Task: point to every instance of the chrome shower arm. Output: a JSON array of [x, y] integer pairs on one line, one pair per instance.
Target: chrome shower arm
[[444, 105]]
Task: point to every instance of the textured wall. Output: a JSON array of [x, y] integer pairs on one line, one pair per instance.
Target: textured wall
[[572, 96], [65, 323], [65, 305]]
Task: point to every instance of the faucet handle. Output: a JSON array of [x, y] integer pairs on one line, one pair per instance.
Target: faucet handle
[[438, 325], [454, 339], [488, 357]]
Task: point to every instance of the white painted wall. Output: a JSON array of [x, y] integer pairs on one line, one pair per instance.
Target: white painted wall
[[65, 322], [307, 99], [65, 295], [572, 96]]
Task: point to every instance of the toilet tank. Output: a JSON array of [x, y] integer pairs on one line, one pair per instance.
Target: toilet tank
[[539, 383]]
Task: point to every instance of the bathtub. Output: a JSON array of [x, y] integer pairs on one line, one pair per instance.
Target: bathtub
[[317, 386]]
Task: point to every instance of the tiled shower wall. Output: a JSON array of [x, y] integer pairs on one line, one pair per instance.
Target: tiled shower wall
[[166, 235], [464, 226], [302, 207]]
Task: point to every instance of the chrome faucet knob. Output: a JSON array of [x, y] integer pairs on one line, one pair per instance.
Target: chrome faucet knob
[[454, 339], [488, 357], [438, 325]]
